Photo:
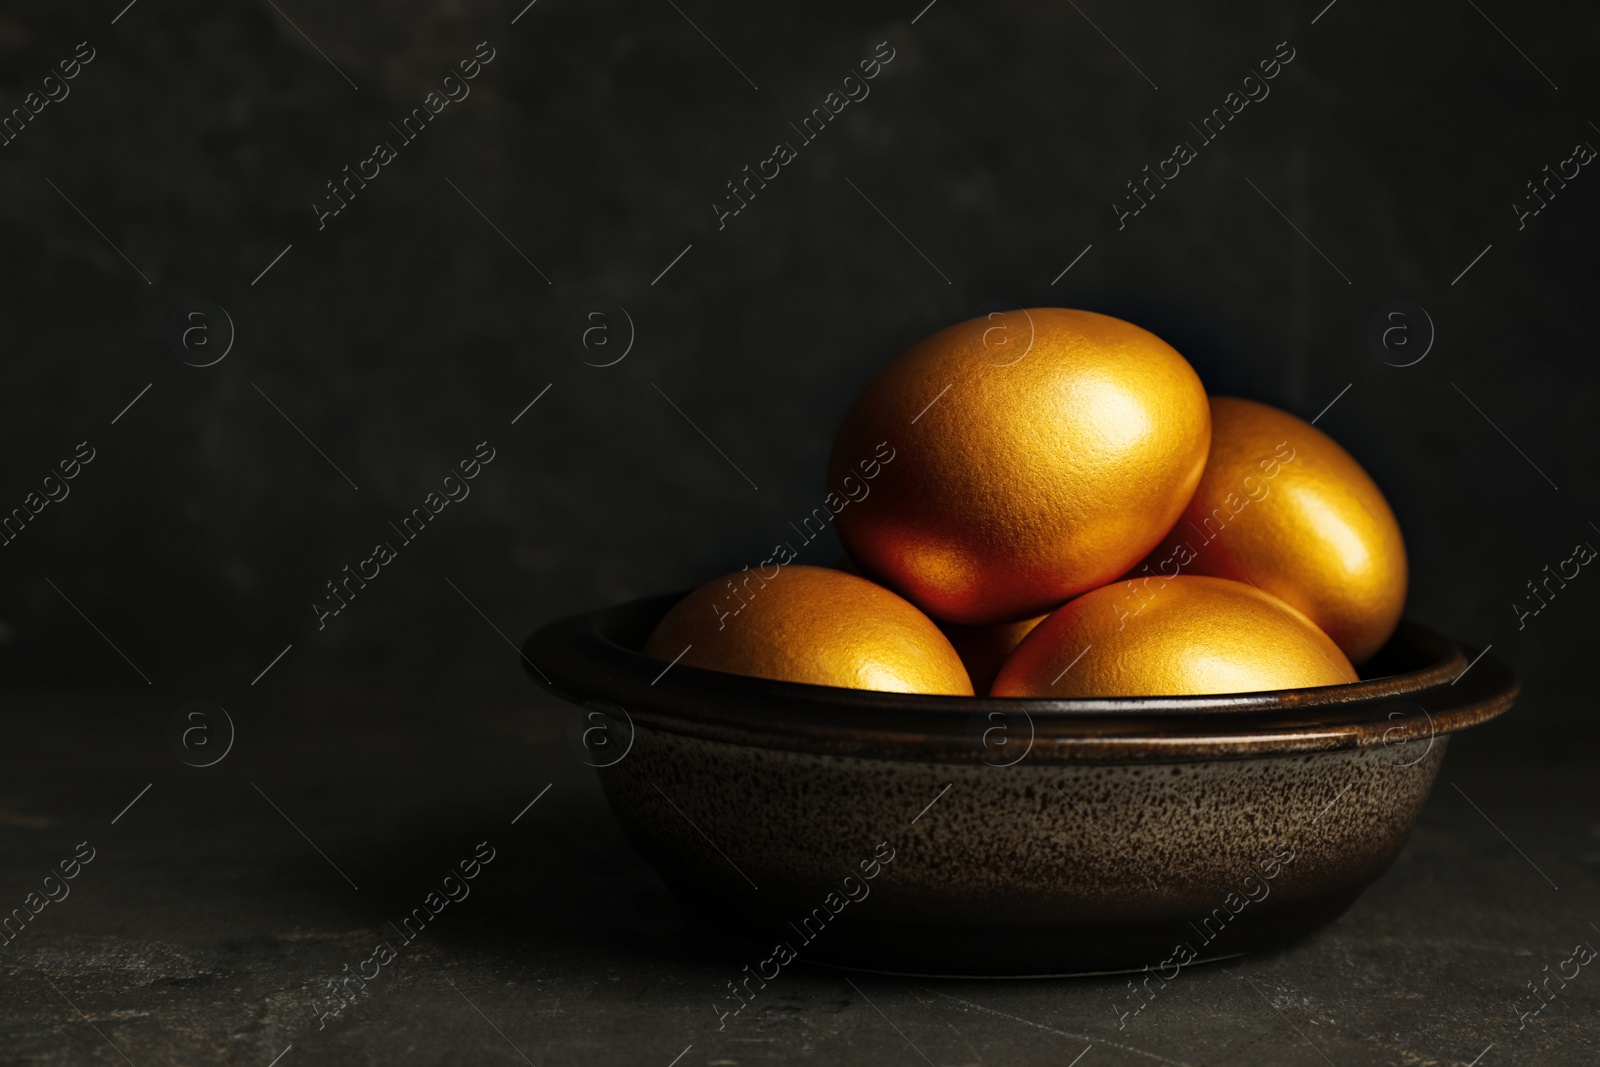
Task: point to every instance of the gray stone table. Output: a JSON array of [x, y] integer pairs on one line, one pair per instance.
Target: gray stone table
[[218, 905]]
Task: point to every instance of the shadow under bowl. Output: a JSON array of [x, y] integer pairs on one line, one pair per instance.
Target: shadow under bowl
[[994, 837]]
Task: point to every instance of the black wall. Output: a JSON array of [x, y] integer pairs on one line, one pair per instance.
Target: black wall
[[997, 140]]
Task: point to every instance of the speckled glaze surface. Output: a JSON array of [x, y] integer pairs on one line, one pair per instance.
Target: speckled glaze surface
[[973, 836]]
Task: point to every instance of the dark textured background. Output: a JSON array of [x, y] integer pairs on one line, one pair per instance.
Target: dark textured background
[[408, 330]]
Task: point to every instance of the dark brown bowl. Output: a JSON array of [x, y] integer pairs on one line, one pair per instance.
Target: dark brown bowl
[[1002, 837]]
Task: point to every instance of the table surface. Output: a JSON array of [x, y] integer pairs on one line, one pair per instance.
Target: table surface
[[219, 904]]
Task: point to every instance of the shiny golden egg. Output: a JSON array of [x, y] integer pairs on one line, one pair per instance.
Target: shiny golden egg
[[810, 624], [984, 648], [1020, 459], [1172, 637], [1281, 505]]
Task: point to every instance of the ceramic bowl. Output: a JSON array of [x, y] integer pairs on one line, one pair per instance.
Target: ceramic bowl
[[963, 836]]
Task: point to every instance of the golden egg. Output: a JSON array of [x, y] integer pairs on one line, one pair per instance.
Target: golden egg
[[1281, 505], [984, 648], [1020, 459], [810, 624], [1172, 637]]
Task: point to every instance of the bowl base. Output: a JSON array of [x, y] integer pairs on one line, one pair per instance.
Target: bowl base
[[941, 976], [955, 952]]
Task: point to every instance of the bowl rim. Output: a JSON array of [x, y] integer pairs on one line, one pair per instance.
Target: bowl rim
[[591, 660]]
